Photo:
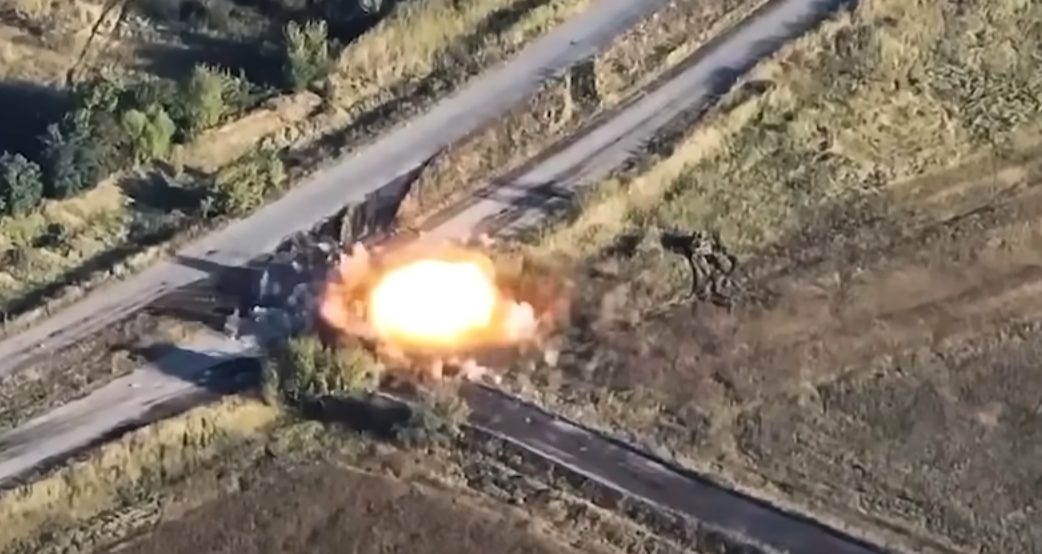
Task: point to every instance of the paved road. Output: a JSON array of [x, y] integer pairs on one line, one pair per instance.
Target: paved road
[[596, 151], [350, 181], [120, 404], [753, 524]]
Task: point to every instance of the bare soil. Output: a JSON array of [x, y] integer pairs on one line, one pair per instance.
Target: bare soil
[[330, 509]]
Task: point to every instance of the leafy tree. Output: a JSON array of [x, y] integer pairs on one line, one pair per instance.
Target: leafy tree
[[149, 133], [21, 184], [98, 102], [307, 54], [73, 160], [207, 99]]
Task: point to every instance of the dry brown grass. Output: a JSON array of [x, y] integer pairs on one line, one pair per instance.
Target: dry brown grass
[[216, 469], [902, 92], [563, 105], [50, 39], [882, 195], [318, 509], [103, 481], [411, 43]]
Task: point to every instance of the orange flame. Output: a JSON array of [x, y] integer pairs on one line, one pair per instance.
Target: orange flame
[[434, 303], [441, 300]]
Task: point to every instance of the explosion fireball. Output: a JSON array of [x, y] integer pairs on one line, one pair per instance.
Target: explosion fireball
[[436, 302], [440, 303]]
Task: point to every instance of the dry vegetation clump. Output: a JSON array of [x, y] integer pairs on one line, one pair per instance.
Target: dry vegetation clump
[[564, 104], [40, 42], [879, 191]]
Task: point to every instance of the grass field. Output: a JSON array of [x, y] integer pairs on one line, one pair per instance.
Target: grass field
[[57, 252], [879, 189], [237, 475]]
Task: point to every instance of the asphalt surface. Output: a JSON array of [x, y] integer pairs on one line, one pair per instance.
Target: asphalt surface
[[120, 404], [349, 182], [745, 521], [598, 149]]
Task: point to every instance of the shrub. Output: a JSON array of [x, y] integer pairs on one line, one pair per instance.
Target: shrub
[[21, 184], [307, 55], [245, 185], [437, 419], [102, 94], [149, 134], [309, 371], [209, 96], [73, 160]]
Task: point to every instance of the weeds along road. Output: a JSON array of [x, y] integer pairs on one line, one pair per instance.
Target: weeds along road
[[584, 158], [349, 182]]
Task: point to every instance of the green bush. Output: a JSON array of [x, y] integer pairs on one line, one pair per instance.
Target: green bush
[[308, 371], [21, 184], [308, 59], [437, 419], [246, 184], [72, 159], [209, 97], [102, 94], [116, 124], [149, 134]]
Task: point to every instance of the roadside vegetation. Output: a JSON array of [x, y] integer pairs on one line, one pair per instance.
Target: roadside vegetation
[[636, 58], [314, 423], [181, 154], [860, 178], [330, 383], [643, 54]]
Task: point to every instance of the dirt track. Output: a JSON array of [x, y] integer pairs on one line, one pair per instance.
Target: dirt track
[[878, 365]]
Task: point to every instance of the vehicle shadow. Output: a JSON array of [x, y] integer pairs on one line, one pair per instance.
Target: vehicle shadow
[[225, 291], [216, 373]]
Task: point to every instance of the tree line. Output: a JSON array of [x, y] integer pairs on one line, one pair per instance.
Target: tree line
[[117, 123]]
